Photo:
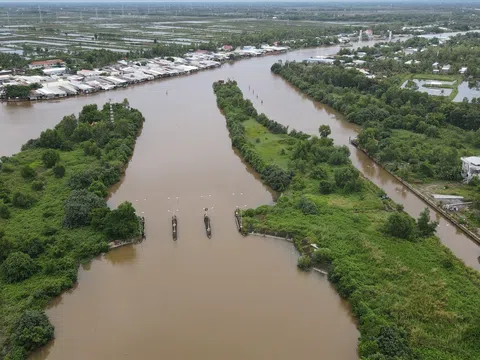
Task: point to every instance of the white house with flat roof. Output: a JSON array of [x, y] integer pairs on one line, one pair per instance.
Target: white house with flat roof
[[470, 167]]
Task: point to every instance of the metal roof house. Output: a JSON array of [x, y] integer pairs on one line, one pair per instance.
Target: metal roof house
[[470, 167]]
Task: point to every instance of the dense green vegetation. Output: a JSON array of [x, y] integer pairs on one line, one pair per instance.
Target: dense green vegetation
[[20, 91], [413, 298], [418, 136], [53, 215], [11, 61]]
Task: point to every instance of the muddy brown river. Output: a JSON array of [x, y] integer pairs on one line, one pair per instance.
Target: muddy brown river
[[228, 297]]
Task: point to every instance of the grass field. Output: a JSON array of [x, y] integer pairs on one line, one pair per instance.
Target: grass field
[[270, 147]]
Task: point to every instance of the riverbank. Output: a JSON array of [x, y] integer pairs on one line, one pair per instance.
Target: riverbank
[[397, 140], [16, 88], [471, 234], [53, 215], [410, 291]]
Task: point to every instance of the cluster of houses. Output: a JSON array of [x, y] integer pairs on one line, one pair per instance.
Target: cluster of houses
[[56, 82]]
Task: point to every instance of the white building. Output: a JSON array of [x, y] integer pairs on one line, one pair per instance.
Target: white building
[[470, 167], [446, 68], [55, 71]]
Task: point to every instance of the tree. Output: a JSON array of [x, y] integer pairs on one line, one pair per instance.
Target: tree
[[400, 225], [424, 225], [17, 267], [122, 223], [67, 126], [32, 329], [50, 139], [82, 133], [78, 207], [28, 172], [324, 131], [322, 256], [90, 114], [101, 134], [50, 157]]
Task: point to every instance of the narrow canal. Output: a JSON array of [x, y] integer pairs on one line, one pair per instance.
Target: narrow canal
[[227, 297]]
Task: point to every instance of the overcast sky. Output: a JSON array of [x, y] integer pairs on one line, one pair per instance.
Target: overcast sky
[[249, 1]]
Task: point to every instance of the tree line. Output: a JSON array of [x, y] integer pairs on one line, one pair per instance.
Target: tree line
[[53, 215]]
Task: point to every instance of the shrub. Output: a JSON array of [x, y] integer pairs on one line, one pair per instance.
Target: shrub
[[322, 256], [83, 179], [400, 225], [110, 175], [98, 188], [304, 263], [23, 201], [98, 216], [277, 178], [50, 157], [4, 211], [59, 171], [345, 175], [90, 148], [393, 343], [33, 247], [28, 172], [7, 168], [307, 206], [17, 267], [78, 207], [326, 187], [319, 173], [6, 246], [38, 185], [67, 145], [32, 330]]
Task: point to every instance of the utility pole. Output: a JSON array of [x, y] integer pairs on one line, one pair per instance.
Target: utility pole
[[40, 13]]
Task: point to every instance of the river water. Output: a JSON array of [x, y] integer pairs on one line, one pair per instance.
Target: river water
[[227, 297]]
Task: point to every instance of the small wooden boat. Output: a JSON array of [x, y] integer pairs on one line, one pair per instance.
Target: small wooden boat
[[174, 227], [238, 220], [208, 226]]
